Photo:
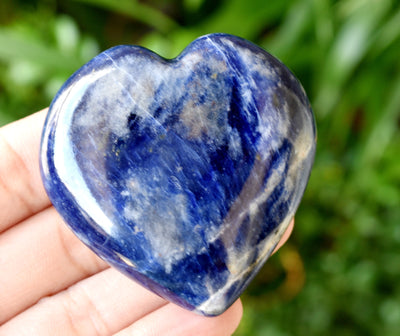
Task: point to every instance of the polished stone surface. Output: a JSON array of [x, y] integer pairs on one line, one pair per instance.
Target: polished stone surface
[[184, 173]]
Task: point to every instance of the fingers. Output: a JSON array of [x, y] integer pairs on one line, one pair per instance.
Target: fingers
[[21, 189], [40, 257], [171, 320], [285, 236], [43, 257], [100, 305], [109, 302]]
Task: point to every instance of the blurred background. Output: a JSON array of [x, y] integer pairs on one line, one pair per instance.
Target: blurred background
[[339, 274]]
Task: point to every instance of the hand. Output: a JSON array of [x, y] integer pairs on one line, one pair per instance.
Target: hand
[[51, 283]]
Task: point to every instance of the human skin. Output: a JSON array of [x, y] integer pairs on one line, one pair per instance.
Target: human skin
[[52, 284]]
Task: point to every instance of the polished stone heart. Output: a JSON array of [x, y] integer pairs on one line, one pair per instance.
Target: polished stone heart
[[184, 173]]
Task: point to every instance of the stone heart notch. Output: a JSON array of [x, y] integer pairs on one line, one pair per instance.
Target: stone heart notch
[[183, 174]]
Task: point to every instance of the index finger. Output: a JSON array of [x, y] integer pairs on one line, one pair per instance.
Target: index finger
[[21, 190]]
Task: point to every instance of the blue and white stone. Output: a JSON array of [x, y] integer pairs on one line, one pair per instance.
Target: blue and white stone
[[184, 173]]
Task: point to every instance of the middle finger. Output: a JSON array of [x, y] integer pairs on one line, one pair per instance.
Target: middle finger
[[43, 258]]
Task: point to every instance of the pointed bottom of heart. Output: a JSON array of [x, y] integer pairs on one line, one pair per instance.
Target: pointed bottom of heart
[[200, 292]]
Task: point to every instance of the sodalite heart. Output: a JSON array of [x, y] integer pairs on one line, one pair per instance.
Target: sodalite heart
[[184, 173]]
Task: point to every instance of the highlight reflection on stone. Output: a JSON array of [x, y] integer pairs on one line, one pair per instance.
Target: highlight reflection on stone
[[184, 173]]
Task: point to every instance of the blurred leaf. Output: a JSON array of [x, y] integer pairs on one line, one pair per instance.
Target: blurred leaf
[[24, 73], [385, 127], [88, 48], [138, 11], [282, 43], [244, 18], [20, 47], [388, 33], [324, 30], [390, 312], [193, 5], [67, 34], [350, 46]]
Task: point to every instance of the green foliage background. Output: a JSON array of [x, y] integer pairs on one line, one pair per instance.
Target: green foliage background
[[340, 272]]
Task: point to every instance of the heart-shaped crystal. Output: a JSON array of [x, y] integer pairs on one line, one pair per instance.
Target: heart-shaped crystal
[[184, 173]]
